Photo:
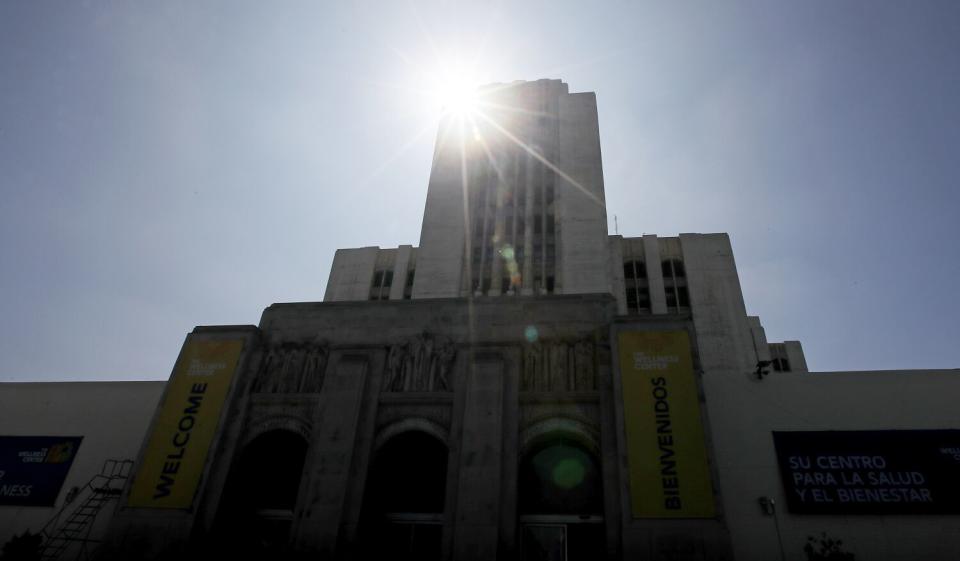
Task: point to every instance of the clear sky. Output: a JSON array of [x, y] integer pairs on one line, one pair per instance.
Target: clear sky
[[171, 164]]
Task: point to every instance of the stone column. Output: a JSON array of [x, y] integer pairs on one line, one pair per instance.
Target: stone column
[[400, 267], [618, 285], [651, 257], [527, 278], [329, 455], [499, 229], [481, 456], [485, 233]]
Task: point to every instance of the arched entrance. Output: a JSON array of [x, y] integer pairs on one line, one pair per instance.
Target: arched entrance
[[404, 498], [561, 502], [256, 510]]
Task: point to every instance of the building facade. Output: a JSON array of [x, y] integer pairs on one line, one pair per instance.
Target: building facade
[[523, 385]]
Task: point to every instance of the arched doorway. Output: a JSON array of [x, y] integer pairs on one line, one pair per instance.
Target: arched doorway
[[404, 498], [561, 502], [256, 510]]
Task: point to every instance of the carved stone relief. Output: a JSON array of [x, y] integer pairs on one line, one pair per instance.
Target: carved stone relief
[[420, 364], [292, 367], [557, 366]]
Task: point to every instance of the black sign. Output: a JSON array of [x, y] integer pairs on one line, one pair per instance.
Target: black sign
[[870, 472], [33, 468]]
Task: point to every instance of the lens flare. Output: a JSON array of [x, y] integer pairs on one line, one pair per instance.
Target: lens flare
[[531, 334], [568, 473]]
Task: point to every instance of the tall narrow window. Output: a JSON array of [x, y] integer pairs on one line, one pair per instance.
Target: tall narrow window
[[408, 285], [510, 205], [636, 286], [778, 354], [675, 285], [380, 285]]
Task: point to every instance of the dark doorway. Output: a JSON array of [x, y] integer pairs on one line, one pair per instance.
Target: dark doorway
[[256, 510], [561, 503], [404, 498]]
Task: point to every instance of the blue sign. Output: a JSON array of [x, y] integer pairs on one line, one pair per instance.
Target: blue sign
[[870, 472], [33, 468]]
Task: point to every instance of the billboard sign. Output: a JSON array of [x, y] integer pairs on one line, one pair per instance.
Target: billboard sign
[[173, 462], [870, 472], [666, 450], [33, 468]]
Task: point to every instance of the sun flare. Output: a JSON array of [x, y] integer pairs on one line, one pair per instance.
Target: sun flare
[[457, 93]]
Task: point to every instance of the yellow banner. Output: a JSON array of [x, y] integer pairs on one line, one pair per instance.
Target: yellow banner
[[173, 461], [669, 474]]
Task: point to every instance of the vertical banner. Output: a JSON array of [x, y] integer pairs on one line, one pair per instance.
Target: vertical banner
[[666, 451], [177, 450]]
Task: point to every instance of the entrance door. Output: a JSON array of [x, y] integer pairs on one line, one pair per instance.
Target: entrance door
[[544, 542], [554, 539], [256, 510], [404, 501], [561, 504]]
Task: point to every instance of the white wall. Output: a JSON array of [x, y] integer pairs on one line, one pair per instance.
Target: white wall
[[440, 254], [351, 274], [744, 411], [584, 257], [112, 418]]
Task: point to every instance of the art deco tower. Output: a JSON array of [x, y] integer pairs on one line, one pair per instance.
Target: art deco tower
[[515, 206], [515, 203]]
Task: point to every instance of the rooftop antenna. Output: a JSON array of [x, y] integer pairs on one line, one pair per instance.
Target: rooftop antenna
[[616, 227]]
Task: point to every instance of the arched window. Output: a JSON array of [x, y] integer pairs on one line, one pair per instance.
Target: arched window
[[404, 498], [256, 510], [561, 502]]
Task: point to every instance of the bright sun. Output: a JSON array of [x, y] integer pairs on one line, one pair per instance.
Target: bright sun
[[458, 94]]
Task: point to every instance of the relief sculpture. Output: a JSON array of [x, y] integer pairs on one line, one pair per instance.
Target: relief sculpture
[[420, 364], [558, 366], [292, 367]]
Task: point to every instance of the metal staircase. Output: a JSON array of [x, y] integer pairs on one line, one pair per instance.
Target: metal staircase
[[73, 535]]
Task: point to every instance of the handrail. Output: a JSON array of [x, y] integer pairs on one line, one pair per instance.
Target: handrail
[[55, 536]]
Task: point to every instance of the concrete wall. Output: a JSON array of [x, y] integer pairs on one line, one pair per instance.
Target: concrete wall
[[744, 411], [716, 302], [401, 265], [483, 416], [350, 274], [583, 252], [112, 418], [651, 258], [442, 237], [615, 269], [798, 363]]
